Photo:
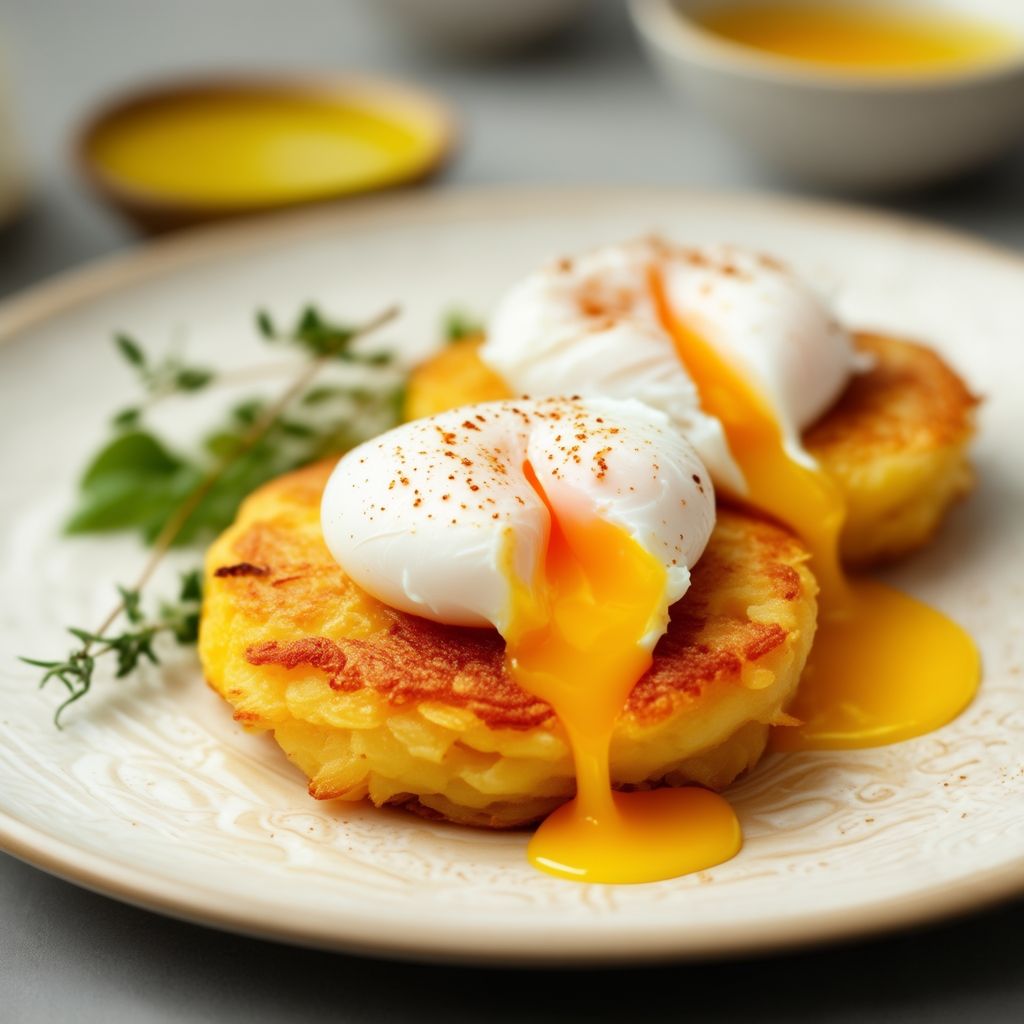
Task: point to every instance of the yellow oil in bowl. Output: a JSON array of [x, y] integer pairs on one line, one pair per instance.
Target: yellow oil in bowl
[[882, 40], [192, 153]]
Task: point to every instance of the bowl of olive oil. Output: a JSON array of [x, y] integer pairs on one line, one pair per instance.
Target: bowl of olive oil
[[180, 153], [853, 94]]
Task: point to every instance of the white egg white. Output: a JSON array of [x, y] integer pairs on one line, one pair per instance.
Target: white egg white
[[425, 517], [589, 326]]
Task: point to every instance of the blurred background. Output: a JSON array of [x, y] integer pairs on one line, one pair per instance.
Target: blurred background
[[577, 103]]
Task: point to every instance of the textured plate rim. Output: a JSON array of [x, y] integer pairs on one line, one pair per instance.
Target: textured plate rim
[[375, 935]]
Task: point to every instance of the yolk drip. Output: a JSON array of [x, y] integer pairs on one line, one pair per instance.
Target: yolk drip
[[868, 40], [583, 653], [806, 500], [254, 147], [889, 670], [883, 667]]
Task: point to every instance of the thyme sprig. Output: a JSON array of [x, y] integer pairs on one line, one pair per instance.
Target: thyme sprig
[[130, 647], [159, 378], [111, 472], [138, 480]]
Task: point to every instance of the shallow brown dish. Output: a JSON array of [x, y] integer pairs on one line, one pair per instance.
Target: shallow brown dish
[[155, 211]]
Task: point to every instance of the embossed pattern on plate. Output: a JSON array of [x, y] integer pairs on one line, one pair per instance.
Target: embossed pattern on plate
[[154, 795]]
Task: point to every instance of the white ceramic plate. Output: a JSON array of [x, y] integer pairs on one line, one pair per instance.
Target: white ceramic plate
[[153, 795]]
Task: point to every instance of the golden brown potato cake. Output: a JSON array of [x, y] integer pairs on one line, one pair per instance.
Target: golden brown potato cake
[[372, 702], [453, 376], [895, 442]]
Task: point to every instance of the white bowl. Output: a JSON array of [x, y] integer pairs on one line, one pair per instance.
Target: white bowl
[[842, 129]]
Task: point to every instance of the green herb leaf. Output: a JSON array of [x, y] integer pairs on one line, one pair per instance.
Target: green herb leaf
[[459, 325], [265, 325], [126, 419], [192, 378], [324, 393], [247, 413], [191, 586], [130, 648], [130, 350], [138, 482], [138, 453], [293, 428], [131, 599], [310, 322], [318, 335], [135, 482]]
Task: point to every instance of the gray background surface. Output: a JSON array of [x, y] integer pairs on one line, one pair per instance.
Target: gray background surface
[[586, 109]]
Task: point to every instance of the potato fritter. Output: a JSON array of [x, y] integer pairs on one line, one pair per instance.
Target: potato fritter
[[895, 442], [454, 376], [372, 702]]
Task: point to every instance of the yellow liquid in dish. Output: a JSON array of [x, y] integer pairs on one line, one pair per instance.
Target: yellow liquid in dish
[[884, 667], [581, 652], [878, 39], [259, 147]]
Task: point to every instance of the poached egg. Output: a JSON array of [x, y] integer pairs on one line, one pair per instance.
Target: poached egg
[[570, 526], [450, 517], [596, 324], [747, 356]]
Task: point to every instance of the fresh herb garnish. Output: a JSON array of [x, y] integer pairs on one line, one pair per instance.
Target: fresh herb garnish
[[130, 647], [138, 482], [160, 379], [320, 336]]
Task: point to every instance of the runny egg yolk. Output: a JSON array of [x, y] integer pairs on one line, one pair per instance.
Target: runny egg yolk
[[884, 667], [576, 641]]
